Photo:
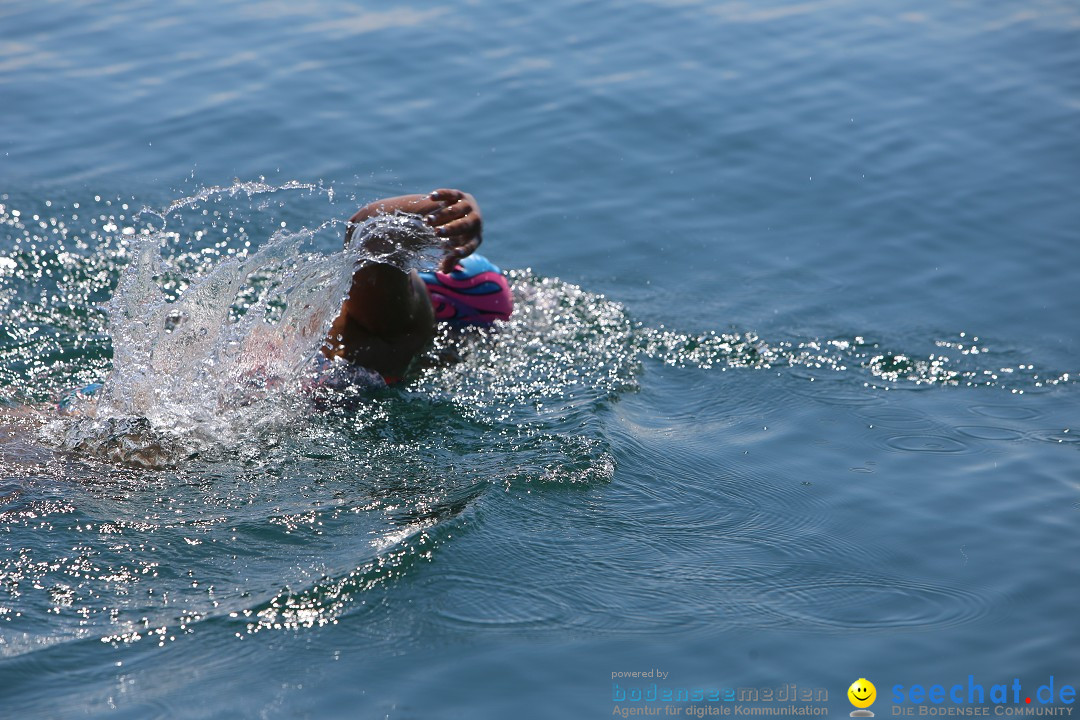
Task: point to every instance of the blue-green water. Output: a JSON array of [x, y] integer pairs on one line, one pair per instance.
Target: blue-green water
[[790, 395]]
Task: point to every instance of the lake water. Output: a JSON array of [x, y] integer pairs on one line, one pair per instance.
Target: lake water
[[790, 395]]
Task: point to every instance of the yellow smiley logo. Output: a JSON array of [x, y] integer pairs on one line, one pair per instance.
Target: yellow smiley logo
[[862, 693]]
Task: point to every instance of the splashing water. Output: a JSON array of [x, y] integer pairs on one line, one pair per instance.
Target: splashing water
[[204, 355]]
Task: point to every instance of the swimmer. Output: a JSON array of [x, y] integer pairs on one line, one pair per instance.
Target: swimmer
[[389, 314]]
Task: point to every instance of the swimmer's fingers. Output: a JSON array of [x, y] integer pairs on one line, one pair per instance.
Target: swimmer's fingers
[[455, 205], [448, 195], [466, 233], [450, 212], [460, 218], [456, 253], [459, 232]]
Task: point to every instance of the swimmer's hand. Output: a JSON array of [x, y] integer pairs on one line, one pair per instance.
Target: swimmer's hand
[[458, 219]]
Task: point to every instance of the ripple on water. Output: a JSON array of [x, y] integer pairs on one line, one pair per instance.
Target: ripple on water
[[1058, 437], [730, 507], [1005, 412], [989, 432], [896, 418], [675, 598], [697, 558], [863, 604], [492, 603], [926, 444], [840, 394]]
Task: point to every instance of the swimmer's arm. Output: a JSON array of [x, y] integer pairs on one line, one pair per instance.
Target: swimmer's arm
[[455, 215], [416, 204]]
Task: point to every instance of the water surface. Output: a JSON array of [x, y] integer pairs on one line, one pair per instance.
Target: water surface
[[790, 395]]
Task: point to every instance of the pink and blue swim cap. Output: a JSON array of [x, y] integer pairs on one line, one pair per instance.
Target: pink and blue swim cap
[[475, 292]]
